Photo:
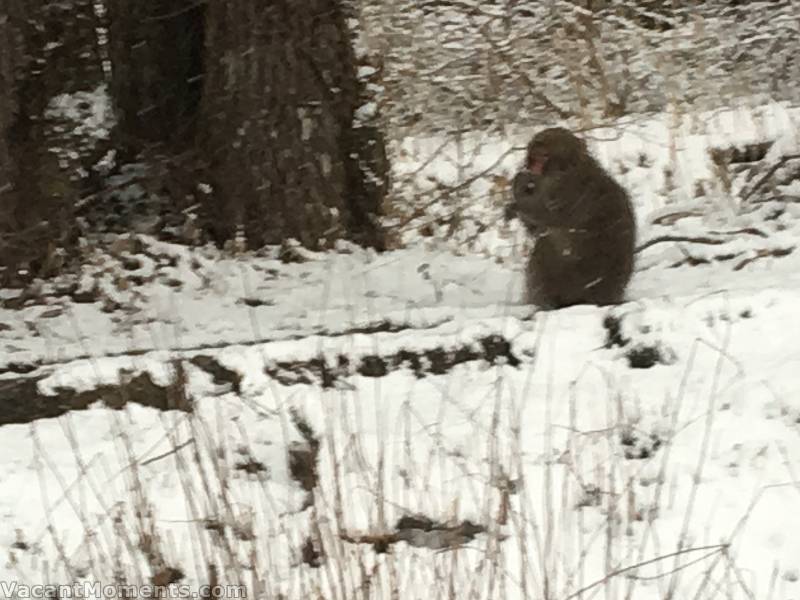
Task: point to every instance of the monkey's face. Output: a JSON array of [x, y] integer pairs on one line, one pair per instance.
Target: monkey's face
[[537, 160]]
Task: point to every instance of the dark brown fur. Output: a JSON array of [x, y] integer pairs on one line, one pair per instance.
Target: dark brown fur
[[583, 222]]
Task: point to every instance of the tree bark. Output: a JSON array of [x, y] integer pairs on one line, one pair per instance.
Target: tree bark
[[46, 49], [288, 157], [10, 57], [156, 51]]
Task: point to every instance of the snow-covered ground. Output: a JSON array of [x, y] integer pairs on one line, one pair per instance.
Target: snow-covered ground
[[589, 476]]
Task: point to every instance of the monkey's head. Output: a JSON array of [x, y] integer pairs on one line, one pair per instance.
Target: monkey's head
[[555, 149]]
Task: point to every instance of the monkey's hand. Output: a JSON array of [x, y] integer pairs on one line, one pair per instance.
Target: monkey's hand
[[523, 185], [510, 211], [523, 188]]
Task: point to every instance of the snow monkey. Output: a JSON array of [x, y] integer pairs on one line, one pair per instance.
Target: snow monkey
[[582, 220]]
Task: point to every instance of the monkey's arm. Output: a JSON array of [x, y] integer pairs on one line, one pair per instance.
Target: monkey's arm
[[551, 200]]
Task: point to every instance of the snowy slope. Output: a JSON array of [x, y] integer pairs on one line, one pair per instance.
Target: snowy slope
[[578, 466]]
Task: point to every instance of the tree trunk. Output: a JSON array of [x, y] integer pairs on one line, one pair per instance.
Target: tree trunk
[[10, 58], [47, 49], [288, 156], [156, 51]]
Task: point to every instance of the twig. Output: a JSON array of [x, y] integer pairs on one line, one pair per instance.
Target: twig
[[176, 13], [748, 230], [167, 453], [691, 563], [717, 547], [671, 218], [680, 238], [426, 162], [764, 253], [420, 210], [769, 174]]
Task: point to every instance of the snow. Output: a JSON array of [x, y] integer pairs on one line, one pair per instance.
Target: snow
[[85, 114], [688, 469]]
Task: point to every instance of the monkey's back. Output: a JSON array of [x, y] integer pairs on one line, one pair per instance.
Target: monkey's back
[[590, 259]]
